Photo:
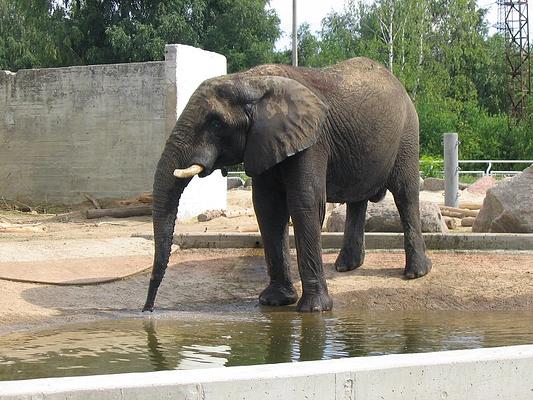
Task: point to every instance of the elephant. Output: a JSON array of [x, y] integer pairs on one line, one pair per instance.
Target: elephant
[[342, 134]]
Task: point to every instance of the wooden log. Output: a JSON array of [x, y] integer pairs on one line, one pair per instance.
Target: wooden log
[[445, 210], [209, 215], [452, 214], [471, 206], [467, 221], [119, 212], [451, 223], [248, 212], [146, 197], [92, 200]]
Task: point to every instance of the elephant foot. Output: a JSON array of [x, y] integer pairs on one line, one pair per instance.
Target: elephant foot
[[418, 268], [276, 295], [315, 302], [348, 262]]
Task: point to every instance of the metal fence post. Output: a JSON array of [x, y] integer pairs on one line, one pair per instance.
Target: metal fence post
[[451, 170]]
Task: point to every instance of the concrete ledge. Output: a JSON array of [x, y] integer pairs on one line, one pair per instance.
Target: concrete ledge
[[481, 374], [434, 241]]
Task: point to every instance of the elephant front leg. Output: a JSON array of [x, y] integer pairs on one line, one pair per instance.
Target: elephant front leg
[[352, 253], [273, 218], [307, 207]]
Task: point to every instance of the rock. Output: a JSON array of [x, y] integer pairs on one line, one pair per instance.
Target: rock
[[508, 206], [234, 182], [209, 215], [421, 184], [437, 185], [433, 184], [482, 185], [384, 217]]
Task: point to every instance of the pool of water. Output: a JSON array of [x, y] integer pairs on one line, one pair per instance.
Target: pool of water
[[140, 345]]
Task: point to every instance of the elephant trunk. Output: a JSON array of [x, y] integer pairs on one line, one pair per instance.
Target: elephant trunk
[[166, 195]]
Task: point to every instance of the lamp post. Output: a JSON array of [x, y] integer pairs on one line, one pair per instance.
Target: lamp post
[[294, 35]]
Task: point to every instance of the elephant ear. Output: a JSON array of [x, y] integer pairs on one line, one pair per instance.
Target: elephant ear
[[286, 119]]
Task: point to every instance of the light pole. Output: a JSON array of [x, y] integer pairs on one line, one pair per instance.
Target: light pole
[[294, 35]]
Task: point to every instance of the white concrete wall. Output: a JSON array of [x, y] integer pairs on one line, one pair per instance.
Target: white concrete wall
[[504, 373], [187, 68], [99, 129]]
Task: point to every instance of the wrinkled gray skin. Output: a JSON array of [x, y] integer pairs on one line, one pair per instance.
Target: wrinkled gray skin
[[306, 136]]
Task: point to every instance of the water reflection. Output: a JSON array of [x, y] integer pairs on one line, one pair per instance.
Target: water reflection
[[243, 339], [155, 350]]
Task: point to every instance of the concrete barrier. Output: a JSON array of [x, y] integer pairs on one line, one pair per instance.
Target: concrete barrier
[[100, 129], [482, 374], [333, 240]]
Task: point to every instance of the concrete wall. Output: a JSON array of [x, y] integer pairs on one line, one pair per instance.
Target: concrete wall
[[182, 80], [484, 374], [98, 129]]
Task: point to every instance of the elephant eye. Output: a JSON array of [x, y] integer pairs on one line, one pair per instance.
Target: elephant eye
[[215, 124]]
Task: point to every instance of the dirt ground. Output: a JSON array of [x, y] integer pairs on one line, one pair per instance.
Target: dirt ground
[[230, 280]]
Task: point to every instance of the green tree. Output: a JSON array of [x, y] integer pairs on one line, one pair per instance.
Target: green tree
[[308, 47], [137, 30], [29, 34], [49, 33]]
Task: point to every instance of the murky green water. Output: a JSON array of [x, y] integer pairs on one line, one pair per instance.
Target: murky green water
[[137, 345]]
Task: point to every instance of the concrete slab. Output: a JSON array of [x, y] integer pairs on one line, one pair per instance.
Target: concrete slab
[[480, 374], [434, 241]]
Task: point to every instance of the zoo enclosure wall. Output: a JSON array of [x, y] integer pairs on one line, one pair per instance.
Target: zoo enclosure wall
[[480, 374], [98, 129]]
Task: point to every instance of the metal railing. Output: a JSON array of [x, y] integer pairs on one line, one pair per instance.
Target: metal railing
[[487, 171], [489, 163]]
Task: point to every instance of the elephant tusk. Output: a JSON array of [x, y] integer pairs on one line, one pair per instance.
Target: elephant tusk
[[193, 170]]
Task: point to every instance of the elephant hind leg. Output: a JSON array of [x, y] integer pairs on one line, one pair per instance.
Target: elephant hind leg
[[406, 191], [352, 253], [273, 217]]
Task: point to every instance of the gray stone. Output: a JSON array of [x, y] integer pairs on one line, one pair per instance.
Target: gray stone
[[234, 182], [508, 206], [482, 185], [433, 184], [384, 217]]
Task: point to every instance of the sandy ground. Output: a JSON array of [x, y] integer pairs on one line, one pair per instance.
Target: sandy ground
[[230, 280]]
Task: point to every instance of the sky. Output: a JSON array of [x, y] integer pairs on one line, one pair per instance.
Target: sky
[[312, 12]]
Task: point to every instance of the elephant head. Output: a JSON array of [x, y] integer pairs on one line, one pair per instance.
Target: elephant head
[[236, 118]]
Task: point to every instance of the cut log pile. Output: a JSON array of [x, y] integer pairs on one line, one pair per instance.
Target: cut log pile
[[463, 215], [135, 206], [212, 214], [121, 212]]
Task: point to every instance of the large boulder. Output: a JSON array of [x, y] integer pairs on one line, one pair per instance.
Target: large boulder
[[234, 182], [433, 184], [482, 185], [508, 206], [384, 217]]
